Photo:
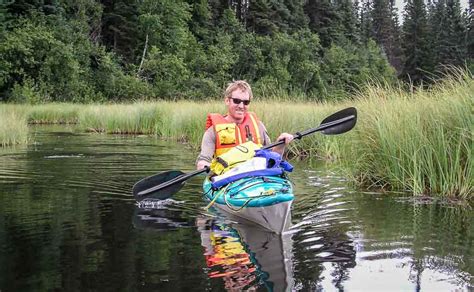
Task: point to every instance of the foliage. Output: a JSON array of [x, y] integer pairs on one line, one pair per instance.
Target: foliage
[[346, 67], [85, 51]]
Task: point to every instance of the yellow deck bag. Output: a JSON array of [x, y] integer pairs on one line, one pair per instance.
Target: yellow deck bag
[[233, 157]]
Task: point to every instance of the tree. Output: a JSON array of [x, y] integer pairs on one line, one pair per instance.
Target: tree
[[418, 54], [452, 45], [385, 29], [201, 20], [297, 19], [349, 21], [470, 33], [119, 29], [323, 20], [365, 23], [267, 17]]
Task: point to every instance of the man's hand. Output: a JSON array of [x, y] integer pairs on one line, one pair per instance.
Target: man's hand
[[281, 148], [202, 164], [285, 136]]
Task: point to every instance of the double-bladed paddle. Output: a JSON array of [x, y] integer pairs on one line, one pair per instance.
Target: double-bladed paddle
[[166, 184]]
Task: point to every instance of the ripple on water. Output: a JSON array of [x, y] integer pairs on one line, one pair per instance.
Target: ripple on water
[[72, 194]]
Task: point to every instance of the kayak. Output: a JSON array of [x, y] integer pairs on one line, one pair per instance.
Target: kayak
[[262, 200]]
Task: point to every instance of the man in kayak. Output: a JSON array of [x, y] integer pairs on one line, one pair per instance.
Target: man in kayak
[[236, 127]]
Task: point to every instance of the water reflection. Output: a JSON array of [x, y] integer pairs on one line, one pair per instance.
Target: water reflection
[[66, 224], [242, 257], [246, 257]]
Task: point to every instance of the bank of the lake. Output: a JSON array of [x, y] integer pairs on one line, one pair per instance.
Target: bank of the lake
[[419, 142]]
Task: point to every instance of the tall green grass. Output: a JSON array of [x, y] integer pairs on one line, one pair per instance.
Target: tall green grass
[[13, 125], [419, 141], [53, 113]]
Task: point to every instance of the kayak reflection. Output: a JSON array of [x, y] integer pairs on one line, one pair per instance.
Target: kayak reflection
[[246, 257]]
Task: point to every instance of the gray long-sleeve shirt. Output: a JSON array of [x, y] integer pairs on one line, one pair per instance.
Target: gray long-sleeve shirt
[[208, 144]]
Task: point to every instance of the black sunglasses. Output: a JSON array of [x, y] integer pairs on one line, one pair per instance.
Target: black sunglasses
[[238, 101]]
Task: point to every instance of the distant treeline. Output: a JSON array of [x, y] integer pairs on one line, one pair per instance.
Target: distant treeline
[[83, 51]]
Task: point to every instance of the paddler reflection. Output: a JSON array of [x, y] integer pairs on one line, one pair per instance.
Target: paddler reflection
[[246, 257]]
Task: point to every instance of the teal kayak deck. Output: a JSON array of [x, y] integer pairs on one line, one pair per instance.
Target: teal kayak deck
[[257, 191]]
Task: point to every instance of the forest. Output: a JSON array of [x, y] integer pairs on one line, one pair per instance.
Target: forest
[[315, 50]]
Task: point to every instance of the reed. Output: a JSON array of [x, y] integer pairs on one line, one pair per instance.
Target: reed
[[418, 141], [53, 113], [139, 118], [13, 125]]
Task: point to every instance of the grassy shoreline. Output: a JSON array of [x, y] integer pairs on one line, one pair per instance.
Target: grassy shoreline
[[420, 142]]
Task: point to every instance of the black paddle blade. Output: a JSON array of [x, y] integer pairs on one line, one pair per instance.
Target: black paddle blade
[[349, 114], [155, 180]]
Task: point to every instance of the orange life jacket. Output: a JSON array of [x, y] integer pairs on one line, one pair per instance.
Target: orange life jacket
[[230, 134]]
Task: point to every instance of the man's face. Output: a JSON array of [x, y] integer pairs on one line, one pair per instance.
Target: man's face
[[237, 110]]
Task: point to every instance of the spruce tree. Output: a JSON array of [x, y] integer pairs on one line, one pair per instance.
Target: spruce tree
[[396, 53], [470, 33], [297, 19], [386, 31], [200, 24], [418, 56], [453, 51], [323, 20], [365, 22], [119, 30], [267, 17], [217, 8], [348, 17], [448, 33]]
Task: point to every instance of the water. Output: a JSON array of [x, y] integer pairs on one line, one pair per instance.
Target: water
[[68, 222]]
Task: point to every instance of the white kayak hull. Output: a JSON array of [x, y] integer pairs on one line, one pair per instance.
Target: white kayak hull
[[263, 201]]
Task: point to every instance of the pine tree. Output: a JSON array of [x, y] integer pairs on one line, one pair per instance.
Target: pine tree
[[418, 56], [4, 16], [396, 52], [436, 26], [119, 30], [447, 33], [385, 30], [453, 51], [470, 33], [323, 20], [200, 24], [297, 19], [267, 17], [365, 22], [217, 8], [348, 17]]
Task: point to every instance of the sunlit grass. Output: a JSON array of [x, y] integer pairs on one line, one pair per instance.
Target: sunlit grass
[[53, 113], [120, 118], [13, 125], [419, 141]]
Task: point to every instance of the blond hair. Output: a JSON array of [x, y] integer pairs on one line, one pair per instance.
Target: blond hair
[[239, 84]]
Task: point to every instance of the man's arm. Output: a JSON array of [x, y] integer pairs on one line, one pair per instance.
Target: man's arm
[[283, 136], [263, 133], [208, 147]]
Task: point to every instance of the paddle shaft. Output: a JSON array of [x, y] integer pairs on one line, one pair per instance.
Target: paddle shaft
[[321, 127], [176, 180]]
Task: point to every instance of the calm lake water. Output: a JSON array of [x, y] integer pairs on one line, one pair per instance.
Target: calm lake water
[[68, 222]]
